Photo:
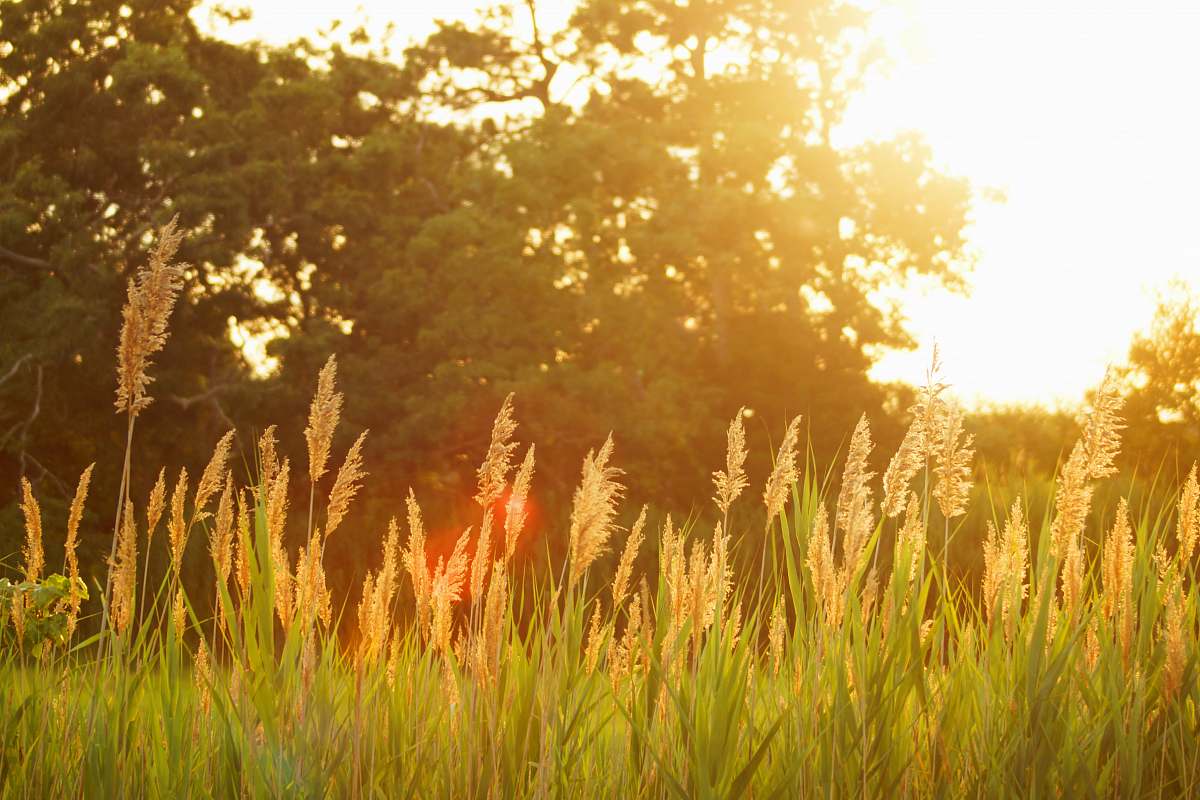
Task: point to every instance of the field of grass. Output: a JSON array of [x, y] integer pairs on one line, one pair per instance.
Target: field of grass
[[841, 660]]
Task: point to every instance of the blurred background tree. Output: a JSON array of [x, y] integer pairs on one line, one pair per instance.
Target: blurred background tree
[[639, 222], [1163, 379]]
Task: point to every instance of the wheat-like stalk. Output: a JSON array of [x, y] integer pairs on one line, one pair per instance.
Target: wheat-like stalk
[[953, 455], [71, 545], [907, 461], [212, 477], [1187, 529], [156, 505], [593, 510], [516, 511], [323, 415], [730, 482], [493, 472], [345, 485], [124, 572], [33, 553], [416, 562], [1117, 603], [150, 299], [783, 475], [624, 572]]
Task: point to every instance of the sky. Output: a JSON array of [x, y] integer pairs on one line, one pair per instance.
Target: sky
[[1083, 115]]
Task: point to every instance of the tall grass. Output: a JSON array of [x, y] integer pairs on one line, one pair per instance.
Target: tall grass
[[844, 662]]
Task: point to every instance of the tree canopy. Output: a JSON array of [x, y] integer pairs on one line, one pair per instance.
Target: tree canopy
[[640, 222]]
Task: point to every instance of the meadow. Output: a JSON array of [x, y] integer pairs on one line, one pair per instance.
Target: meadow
[[841, 660]]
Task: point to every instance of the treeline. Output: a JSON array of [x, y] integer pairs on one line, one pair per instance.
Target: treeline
[[639, 223]]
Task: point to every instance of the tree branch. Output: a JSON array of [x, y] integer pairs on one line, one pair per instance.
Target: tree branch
[[25, 261], [13, 370]]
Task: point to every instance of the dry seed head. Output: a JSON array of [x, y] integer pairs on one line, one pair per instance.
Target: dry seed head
[[177, 527], [720, 574], [72, 542], [628, 555], [323, 417], [242, 559], [277, 503], [220, 544], [953, 464], [855, 477], [994, 571], [124, 573], [203, 677], [861, 524], [268, 461], [775, 634], [178, 614], [155, 505], [1117, 571], [493, 472], [591, 652], [1091, 458], [151, 296], [415, 560], [35, 557], [516, 512], [821, 566], [346, 485], [1174, 638], [783, 475], [312, 596], [905, 464], [911, 537], [1072, 576], [366, 621], [730, 483], [492, 640], [930, 408], [593, 510], [456, 567], [1188, 529], [870, 593], [211, 478], [446, 590], [482, 558]]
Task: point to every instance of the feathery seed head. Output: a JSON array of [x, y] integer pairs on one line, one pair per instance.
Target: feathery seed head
[[493, 472], [35, 557], [730, 482], [345, 485], [268, 461], [150, 299], [516, 511], [211, 478], [1187, 530], [905, 464], [75, 516], [124, 573], [323, 417], [625, 565], [783, 475], [177, 527], [155, 505], [953, 464], [593, 510]]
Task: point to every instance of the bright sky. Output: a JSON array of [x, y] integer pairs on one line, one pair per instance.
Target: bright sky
[[1084, 114]]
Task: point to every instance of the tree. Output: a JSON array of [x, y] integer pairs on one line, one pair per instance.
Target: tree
[[674, 169], [1163, 379], [116, 116]]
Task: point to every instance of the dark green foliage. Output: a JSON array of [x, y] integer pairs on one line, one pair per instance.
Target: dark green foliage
[[645, 252]]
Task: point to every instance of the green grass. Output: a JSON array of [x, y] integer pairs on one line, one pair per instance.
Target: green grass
[[908, 699]]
